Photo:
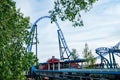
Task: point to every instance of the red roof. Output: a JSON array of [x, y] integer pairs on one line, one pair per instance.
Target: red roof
[[53, 60]]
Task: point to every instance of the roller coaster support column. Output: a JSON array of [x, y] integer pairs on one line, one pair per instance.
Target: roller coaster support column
[[110, 57], [63, 48], [36, 41], [114, 61]]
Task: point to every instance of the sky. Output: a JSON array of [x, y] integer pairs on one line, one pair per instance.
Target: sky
[[101, 27]]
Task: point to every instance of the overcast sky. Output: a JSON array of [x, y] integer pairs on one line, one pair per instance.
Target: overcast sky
[[101, 27]]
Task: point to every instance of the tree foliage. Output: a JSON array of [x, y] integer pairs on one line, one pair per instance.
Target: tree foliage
[[74, 55], [87, 54], [71, 10], [14, 59]]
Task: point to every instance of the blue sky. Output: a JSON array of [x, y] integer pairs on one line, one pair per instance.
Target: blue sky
[[101, 27]]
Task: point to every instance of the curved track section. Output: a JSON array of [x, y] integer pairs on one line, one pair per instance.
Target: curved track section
[[116, 49], [63, 47], [103, 51]]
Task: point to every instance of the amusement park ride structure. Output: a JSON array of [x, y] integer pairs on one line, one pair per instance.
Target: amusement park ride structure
[[63, 47], [107, 65]]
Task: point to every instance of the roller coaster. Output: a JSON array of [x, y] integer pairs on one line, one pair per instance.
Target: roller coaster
[[67, 69]]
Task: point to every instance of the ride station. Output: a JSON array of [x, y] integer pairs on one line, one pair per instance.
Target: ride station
[[67, 69]]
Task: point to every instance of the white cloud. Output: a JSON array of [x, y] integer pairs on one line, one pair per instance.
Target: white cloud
[[34, 8], [114, 10]]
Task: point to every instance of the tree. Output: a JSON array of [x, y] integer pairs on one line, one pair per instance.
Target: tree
[[71, 10], [74, 54], [14, 59], [90, 59]]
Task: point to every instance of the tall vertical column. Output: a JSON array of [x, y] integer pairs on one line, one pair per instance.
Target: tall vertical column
[[36, 39], [58, 65]]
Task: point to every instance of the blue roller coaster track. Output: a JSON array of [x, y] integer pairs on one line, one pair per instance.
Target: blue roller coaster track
[[63, 47], [103, 51], [110, 66]]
